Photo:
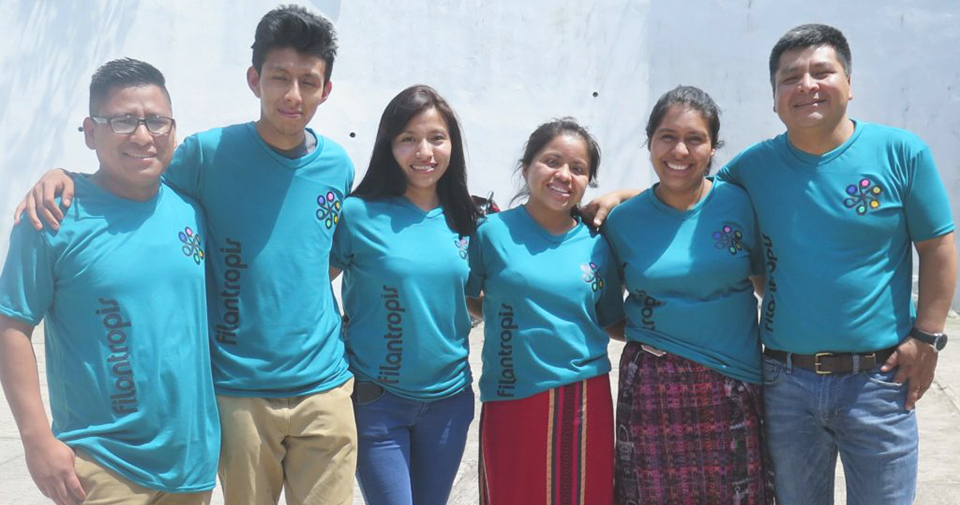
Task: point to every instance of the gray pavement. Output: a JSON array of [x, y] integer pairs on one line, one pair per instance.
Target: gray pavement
[[938, 413]]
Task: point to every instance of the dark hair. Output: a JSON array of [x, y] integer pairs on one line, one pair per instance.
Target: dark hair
[[544, 134], [123, 73], [811, 35], [296, 27], [692, 98], [384, 176]]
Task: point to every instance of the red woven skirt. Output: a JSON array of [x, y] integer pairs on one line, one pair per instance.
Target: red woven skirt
[[553, 448], [688, 435]]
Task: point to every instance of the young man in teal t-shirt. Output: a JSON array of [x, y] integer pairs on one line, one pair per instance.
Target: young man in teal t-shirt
[[840, 204], [272, 191], [121, 289]]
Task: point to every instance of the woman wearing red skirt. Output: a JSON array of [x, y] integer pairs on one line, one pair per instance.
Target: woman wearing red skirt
[[550, 286]]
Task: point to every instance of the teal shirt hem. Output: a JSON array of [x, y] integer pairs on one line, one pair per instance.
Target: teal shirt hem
[[151, 484]]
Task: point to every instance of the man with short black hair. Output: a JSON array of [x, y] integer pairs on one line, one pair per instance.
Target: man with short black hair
[[128, 359], [272, 190], [840, 203]]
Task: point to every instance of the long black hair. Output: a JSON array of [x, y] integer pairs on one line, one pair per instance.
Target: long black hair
[[384, 176]]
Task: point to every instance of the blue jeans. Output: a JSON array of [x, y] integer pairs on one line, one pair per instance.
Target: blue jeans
[[809, 418], [408, 451]]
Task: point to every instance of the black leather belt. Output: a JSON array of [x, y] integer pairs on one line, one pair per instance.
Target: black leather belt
[[825, 363]]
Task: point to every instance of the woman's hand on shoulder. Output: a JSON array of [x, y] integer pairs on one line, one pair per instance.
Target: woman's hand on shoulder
[[596, 211]]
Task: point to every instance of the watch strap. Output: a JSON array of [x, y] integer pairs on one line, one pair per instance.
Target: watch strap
[[937, 340]]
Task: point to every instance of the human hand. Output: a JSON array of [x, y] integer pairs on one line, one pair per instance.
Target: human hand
[[597, 210], [41, 199], [917, 362], [51, 465]]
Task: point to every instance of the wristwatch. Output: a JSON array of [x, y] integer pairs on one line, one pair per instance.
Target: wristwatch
[[937, 340]]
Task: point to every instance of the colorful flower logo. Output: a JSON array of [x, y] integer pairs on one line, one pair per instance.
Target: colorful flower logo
[[329, 211], [191, 244], [462, 244], [591, 276], [863, 196], [728, 238]]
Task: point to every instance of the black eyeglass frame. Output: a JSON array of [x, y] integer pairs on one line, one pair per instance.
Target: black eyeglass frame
[[166, 127]]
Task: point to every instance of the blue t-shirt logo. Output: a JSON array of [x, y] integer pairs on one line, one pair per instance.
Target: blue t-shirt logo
[[728, 238], [329, 211], [863, 196], [191, 244], [462, 243], [591, 276]]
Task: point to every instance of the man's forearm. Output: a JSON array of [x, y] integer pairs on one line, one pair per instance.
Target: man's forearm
[[21, 381], [937, 281]]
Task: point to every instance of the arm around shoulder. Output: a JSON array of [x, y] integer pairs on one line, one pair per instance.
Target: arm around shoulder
[[597, 210], [41, 200]]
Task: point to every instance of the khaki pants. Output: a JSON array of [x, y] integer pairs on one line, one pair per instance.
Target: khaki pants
[[305, 445], [106, 487]]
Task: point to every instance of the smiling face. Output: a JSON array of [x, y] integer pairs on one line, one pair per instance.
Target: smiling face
[[131, 164], [290, 86], [811, 90], [558, 175], [422, 150], [681, 150]]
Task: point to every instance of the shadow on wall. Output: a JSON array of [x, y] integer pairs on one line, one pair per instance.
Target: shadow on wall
[[43, 69], [53, 47]]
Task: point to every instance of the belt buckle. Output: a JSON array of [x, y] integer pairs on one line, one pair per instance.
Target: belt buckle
[[652, 350], [816, 363]]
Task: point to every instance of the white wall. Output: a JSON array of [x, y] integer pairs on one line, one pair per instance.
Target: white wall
[[504, 66]]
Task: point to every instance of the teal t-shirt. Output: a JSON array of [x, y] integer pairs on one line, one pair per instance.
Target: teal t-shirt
[[274, 323], [687, 277], [404, 272], [837, 235], [120, 288], [547, 299]]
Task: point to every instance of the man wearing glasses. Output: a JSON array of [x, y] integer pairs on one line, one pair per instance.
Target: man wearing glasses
[[121, 289], [271, 190]]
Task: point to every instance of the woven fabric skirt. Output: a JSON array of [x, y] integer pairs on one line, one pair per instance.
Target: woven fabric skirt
[[687, 434], [553, 448]]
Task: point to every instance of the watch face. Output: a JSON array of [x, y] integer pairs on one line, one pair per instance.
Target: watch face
[[941, 342]]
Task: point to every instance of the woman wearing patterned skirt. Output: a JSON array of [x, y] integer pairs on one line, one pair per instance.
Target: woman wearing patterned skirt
[[550, 285], [689, 406]]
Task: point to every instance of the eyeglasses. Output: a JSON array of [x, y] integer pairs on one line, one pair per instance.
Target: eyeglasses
[[127, 124]]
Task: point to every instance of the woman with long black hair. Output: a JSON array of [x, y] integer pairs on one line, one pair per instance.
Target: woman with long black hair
[[402, 245]]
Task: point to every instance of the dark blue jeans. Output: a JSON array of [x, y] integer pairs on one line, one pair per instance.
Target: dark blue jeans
[[408, 451]]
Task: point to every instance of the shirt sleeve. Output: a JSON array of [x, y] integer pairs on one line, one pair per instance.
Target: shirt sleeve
[[350, 175], [184, 170], [341, 254], [477, 272], [610, 305], [27, 281], [926, 205], [757, 255], [731, 172]]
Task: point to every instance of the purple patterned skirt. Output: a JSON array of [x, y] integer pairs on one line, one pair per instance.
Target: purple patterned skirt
[[687, 434]]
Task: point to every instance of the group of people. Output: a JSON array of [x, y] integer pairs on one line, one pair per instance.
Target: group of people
[[244, 226]]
